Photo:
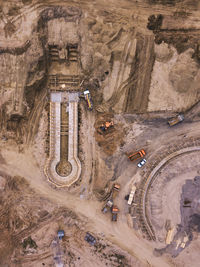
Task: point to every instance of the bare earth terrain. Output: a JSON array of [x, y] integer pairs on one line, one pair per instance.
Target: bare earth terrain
[[60, 162]]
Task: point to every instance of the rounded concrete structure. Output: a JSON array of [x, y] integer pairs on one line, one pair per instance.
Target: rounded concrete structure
[[55, 136]]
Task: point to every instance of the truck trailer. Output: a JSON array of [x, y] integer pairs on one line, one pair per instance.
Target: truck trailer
[[115, 191], [132, 193]]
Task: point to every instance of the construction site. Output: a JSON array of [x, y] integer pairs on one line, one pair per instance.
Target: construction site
[[99, 140]]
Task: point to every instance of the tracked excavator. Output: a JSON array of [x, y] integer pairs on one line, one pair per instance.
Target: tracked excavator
[[107, 125]]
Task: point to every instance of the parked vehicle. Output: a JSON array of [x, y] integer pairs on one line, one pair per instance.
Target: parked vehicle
[[88, 99], [176, 120], [61, 234], [115, 191], [132, 193], [107, 206], [141, 163], [90, 239], [115, 212], [137, 155]]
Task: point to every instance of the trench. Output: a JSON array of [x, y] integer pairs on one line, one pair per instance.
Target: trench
[[64, 168]]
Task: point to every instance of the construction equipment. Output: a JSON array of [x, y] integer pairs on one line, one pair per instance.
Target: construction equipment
[[107, 125], [115, 211], [61, 234], [88, 99], [90, 239], [57, 252], [185, 239], [137, 155], [130, 199], [115, 191], [176, 120], [170, 236], [107, 206]]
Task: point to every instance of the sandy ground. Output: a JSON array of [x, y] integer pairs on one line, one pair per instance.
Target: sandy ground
[[117, 54], [24, 164], [91, 208], [173, 87], [165, 193]]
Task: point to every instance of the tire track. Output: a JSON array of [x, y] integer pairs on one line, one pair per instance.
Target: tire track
[[33, 121], [138, 92]]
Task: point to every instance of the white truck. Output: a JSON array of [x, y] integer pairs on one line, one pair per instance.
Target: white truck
[[131, 195]]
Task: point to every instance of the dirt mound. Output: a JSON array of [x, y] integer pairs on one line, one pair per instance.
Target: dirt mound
[[183, 72], [163, 52], [110, 139]]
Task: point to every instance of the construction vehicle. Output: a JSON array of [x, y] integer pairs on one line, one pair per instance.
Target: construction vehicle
[[185, 239], [61, 234], [115, 191], [88, 99], [176, 120], [90, 239], [137, 155], [57, 252], [107, 125], [170, 236], [115, 211], [130, 199], [107, 206]]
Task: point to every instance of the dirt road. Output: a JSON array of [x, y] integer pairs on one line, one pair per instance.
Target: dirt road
[[25, 166]]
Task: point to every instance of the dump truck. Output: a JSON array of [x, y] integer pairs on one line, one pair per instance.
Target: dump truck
[[175, 120], [115, 191], [107, 206], [88, 99], [137, 155], [107, 125], [115, 211], [132, 193]]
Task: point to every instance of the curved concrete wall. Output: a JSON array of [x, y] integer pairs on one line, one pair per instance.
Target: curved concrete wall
[[54, 153], [150, 179]]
